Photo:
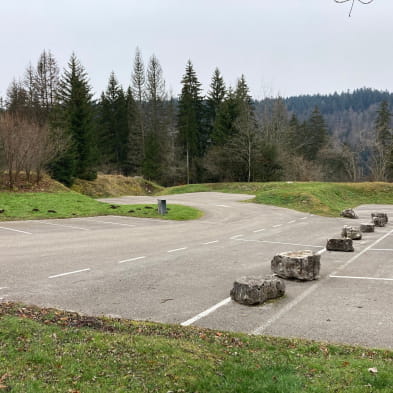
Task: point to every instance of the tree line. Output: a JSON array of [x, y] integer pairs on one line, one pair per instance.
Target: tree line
[[50, 121]]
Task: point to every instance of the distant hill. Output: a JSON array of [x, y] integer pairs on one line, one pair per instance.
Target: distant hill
[[350, 116]]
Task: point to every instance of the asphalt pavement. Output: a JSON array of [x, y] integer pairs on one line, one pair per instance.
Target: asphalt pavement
[[182, 272]]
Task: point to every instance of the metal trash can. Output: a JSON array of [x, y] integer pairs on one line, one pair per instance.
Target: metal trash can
[[161, 206]]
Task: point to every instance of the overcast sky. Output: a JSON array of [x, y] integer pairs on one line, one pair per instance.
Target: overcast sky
[[283, 47]]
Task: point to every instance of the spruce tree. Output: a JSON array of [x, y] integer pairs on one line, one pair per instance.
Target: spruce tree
[[383, 149], [383, 130], [314, 135], [192, 134], [135, 140], [214, 102], [113, 141], [75, 116]]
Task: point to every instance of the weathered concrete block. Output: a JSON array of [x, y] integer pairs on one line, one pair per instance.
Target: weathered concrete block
[[302, 265], [351, 232], [378, 214], [339, 245], [349, 213], [256, 290], [367, 227], [379, 221]]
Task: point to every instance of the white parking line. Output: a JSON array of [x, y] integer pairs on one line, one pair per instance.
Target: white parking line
[[259, 230], [3, 287], [206, 312], [223, 205], [381, 249], [270, 242], [214, 241], [363, 278], [311, 289], [131, 259], [291, 222], [304, 218], [112, 223], [178, 249], [68, 273], [61, 225], [16, 230], [235, 237], [276, 226]]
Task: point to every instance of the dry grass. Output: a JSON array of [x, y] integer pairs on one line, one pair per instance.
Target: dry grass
[[115, 185]]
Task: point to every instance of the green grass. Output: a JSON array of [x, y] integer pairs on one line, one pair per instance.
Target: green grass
[[44, 350], [327, 199], [19, 206]]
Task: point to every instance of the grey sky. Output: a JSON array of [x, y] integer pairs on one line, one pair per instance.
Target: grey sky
[[285, 47]]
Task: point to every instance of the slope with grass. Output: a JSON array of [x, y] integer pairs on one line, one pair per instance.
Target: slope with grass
[[326, 199], [115, 185], [47, 350], [28, 206]]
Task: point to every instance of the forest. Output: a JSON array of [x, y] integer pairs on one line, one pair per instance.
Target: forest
[[50, 122]]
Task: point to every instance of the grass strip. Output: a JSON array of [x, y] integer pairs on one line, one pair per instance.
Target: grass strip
[[325, 199], [47, 350], [30, 206]]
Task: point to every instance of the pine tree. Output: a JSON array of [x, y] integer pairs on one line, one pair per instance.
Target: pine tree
[[192, 134], [75, 116]]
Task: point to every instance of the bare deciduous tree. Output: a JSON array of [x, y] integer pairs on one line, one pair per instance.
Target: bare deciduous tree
[[353, 3], [28, 145]]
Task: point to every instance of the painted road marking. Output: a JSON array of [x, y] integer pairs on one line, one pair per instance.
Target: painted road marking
[[61, 225], [178, 249], [3, 287], [113, 223], [16, 230], [131, 259], [381, 249], [271, 242], [223, 205], [235, 237], [311, 289], [206, 312], [68, 273], [220, 304], [214, 241], [276, 226], [259, 230], [363, 278], [291, 222], [304, 218]]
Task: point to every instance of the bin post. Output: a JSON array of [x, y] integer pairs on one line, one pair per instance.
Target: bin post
[[161, 206]]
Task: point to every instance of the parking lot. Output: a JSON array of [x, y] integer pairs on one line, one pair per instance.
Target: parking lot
[[182, 272]]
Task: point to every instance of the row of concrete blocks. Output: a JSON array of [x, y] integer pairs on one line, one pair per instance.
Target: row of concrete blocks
[[301, 265]]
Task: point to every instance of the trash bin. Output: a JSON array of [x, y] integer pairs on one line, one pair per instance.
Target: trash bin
[[161, 206]]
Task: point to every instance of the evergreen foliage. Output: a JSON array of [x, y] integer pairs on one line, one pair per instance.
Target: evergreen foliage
[[113, 140], [192, 136], [75, 114]]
